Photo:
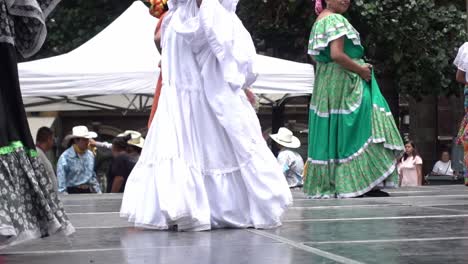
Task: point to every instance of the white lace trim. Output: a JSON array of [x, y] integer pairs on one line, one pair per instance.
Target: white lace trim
[[363, 191], [21, 237], [381, 109], [319, 47], [357, 153], [7, 39], [353, 108], [38, 14]]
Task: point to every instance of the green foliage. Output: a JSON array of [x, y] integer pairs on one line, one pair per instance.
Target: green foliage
[[413, 42], [76, 21], [279, 28]]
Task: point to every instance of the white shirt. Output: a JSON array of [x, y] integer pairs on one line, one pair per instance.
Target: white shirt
[[293, 166], [443, 168], [461, 61]]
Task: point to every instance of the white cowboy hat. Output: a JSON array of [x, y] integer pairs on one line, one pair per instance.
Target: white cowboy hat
[[83, 132], [136, 139], [78, 132], [286, 138]]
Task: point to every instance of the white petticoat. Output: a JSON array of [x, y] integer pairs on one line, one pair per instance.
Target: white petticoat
[[205, 163]]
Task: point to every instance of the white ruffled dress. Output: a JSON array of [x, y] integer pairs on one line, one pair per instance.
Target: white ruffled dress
[[205, 163]]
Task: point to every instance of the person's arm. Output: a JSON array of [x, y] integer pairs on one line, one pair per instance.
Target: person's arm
[[61, 175], [117, 184], [251, 97], [338, 56], [400, 173], [435, 170], [94, 182], [157, 40], [461, 77], [419, 171], [418, 164]]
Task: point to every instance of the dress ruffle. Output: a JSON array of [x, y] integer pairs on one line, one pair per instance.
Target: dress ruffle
[[205, 163], [217, 25], [26, 19], [328, 29], [353, 139], [372, 165], [29, 205]]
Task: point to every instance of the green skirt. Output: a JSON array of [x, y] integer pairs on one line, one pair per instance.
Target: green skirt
[[353, 139]]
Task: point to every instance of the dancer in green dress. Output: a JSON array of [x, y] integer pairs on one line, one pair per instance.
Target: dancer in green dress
[[353, 140]]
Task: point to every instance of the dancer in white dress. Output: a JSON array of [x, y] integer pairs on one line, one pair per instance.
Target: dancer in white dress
[[205, 163]]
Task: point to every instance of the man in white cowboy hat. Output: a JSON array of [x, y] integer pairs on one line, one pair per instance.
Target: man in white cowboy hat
[[75, 168], [135, 143], [291, 161]]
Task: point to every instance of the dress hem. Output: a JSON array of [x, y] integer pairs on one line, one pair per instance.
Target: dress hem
[[361, 192], [15, 145], [358, 153]]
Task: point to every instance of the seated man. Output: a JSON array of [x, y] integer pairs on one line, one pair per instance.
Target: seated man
[[291, 161], [75, 168], [443, 167]]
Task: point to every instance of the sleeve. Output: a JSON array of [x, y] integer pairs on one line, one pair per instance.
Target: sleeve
[[229, 40], [119, 166], [436, 167], [461, 61], [283, 161], [329, 29], [61, 174], [93, 181], [418, 161], [29, 18]]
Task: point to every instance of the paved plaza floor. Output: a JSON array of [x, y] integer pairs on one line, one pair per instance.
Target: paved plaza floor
[[414, 225]]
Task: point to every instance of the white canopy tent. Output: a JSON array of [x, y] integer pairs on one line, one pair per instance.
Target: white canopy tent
[[117, 70]]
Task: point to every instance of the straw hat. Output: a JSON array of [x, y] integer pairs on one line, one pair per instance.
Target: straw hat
[[136, 139], [285, 137]]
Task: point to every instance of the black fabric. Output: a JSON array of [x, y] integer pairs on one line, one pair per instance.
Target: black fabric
[[30, 207], [13, 122], [121, 165], [76, 190]]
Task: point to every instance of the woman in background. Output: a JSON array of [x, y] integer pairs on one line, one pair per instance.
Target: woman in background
[[410, 167]]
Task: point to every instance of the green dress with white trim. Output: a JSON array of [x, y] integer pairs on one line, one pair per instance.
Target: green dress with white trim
[[353, 140]]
